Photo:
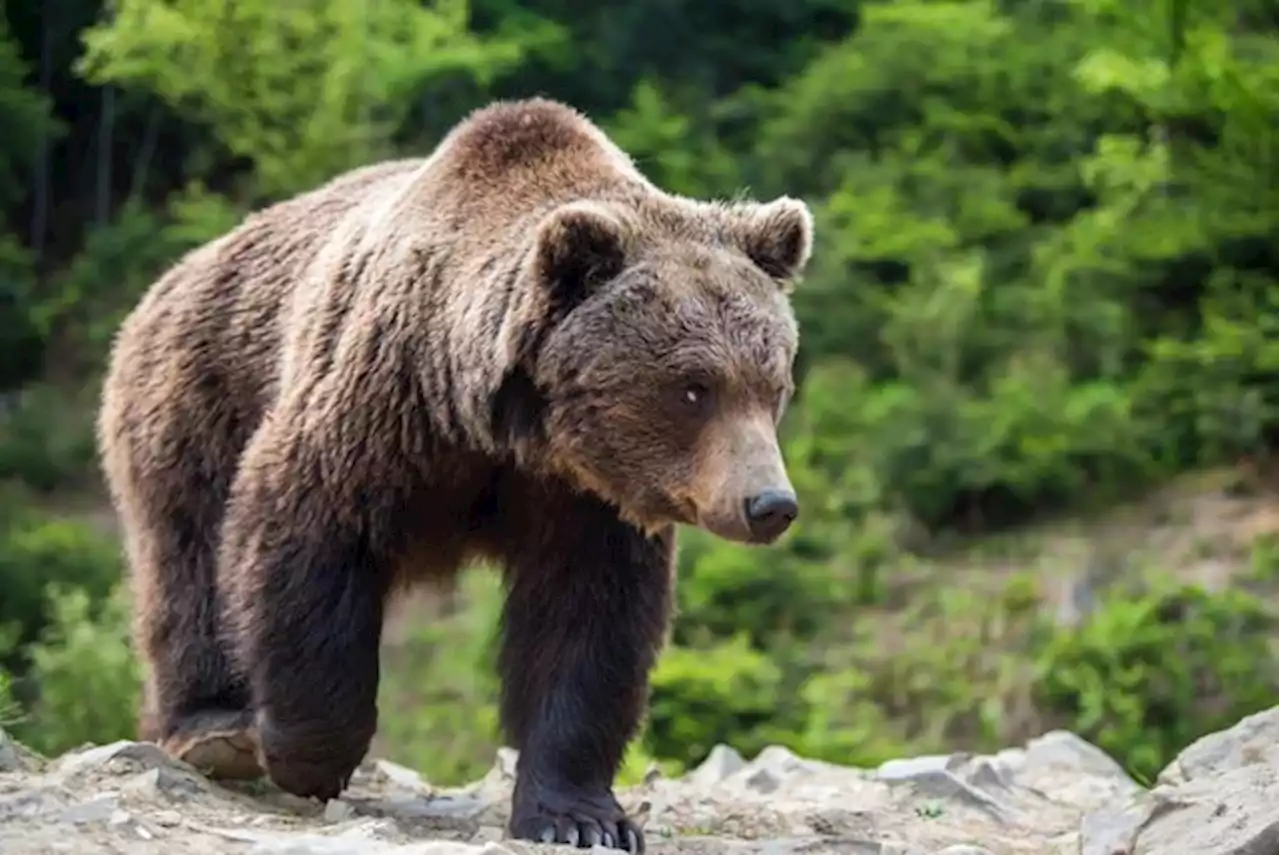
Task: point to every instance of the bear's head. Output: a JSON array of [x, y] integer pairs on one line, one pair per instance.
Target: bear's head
[[663, 356]]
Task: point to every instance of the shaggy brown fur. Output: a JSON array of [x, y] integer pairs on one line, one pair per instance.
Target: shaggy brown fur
[[517, 349]]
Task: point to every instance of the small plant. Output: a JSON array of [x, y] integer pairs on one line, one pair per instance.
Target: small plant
[[85, 673], [10, 712], [727, 693], [1148, 675], [36, 551], [1264, 560]]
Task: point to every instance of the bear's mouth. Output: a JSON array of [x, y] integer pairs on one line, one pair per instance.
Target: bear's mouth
[[672, 508]]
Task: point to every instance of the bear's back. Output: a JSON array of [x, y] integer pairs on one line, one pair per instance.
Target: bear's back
[[215, 320]]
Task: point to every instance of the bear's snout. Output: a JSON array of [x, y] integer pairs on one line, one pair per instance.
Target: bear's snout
[[740, 486], [769, 513]]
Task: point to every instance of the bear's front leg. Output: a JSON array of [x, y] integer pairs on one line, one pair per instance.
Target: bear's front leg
[[305, 571], [586, 613]]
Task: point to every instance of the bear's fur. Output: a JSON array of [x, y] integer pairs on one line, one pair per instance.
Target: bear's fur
[[517, 349]]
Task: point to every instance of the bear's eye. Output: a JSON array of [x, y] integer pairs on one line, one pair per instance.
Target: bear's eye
[[694, 395]]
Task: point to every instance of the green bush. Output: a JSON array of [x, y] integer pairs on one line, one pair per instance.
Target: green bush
[[1264, 562], [86, 676], [10, 710], [947, 671], [1213, 393], [21, 342], [47, 440], [37, 551], [725, 589], [438, 701], [1147, 675], [727, 693]]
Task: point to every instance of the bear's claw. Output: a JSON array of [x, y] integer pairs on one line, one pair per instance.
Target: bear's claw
[[581, 823]]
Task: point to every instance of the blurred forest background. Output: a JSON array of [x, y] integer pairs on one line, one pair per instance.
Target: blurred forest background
[[1036, 428]]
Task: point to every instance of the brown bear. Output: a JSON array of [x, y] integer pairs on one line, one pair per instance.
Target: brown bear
[[517, 350]]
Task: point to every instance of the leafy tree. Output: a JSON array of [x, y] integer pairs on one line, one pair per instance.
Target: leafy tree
[[323, 87]]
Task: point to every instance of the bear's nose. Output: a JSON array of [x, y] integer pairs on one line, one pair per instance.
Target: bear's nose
[[769, 513]]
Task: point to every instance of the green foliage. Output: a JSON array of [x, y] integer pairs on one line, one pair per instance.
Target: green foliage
[[129, 251], [1147, 676], [950, 669], [87, 676], [1264, 560], [28, 123], [9, 710], [37, 551], [46, 440], [702, 696], [1021, 349], [438, 700], [725, 589], [325, 84], [21, 344]]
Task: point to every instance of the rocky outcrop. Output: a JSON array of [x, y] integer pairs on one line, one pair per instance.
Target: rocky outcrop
[[1057, 795]]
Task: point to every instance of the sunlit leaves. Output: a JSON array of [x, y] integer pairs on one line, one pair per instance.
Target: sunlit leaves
[[304, 89]]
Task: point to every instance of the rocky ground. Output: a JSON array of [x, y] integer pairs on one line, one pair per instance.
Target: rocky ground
[[1054, 796]]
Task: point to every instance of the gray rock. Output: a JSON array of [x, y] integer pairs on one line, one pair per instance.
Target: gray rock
[[1113, 830], [988, 775], [99, 809], [10, 758], [336, 810], [317, 845], [164, 782], [400, 776], [763, 781], [1251, 740], [15, 757], [793, 846], [722, 762], [836, 822], [1057, 795], [943, 785], [1233, 813], [167, 818], [782, 760], [908, 768], [506, 760], [117, 758], [33, 803], [1067, 769], [1218, 796], [1067, 752]]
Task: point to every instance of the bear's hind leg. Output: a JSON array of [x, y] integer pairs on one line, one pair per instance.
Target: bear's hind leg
[[586, 613], [195, 705]]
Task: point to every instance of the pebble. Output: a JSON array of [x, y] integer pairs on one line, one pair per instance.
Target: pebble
[[167, 818], [11, 759], [336, 810]]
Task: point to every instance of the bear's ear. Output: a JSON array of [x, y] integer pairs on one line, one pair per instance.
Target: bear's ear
[[778, 237], [579, 245]]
